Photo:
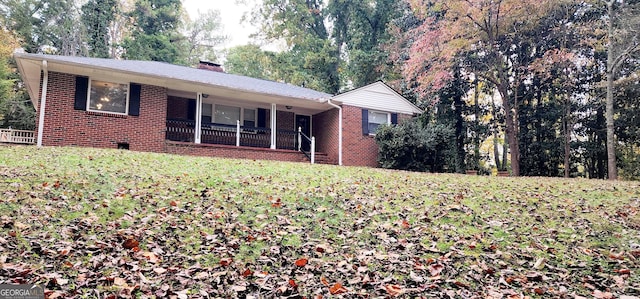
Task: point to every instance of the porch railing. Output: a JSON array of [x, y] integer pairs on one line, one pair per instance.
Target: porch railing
[[17, 136], [307, 146], [215, 133]]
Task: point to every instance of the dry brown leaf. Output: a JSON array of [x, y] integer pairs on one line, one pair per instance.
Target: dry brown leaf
[[337, 289], [394, 290]]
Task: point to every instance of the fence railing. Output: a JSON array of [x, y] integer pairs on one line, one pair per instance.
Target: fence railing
[[215, 133], [17, 136]]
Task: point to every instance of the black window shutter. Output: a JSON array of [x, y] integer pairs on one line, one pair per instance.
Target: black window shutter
[[134, 99], [365, 122], [191, 110], [82, 87], [394, 118], [262, 118]]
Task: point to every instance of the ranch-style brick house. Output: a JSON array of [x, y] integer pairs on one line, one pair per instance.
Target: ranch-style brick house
[[159, 107]]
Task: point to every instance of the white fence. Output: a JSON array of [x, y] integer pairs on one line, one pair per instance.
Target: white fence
[[17, 136]]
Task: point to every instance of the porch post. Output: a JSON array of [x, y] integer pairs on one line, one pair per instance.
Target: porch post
[[43, 102], [273, 126], [198, 133]]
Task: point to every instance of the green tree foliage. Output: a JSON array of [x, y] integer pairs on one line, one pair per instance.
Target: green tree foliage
[[16, 110], [250, 60], [97, 17], [361, 29], [202, 37], [312, 58], [414, 146], [155, 36], [49, 26]]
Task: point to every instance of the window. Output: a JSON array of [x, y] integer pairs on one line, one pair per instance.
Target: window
[[108, 97], [206, 113], [249, 118], [376, 119], [226, 115]]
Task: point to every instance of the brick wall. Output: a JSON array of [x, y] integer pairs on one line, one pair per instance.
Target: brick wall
[[227, 151], [65, 126], [177, 108], [358, 149], [325, 129]]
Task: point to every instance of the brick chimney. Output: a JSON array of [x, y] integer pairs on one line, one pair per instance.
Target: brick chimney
[[210, 66]]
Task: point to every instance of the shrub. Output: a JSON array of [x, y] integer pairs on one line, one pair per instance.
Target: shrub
[[413, 146]]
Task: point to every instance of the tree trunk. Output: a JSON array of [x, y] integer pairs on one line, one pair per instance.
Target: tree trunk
[[611, 146], [476, 128], [510, 130], [567, 138]]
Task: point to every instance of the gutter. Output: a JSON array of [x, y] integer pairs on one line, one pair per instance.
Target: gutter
[[339, 130], [43, 102]]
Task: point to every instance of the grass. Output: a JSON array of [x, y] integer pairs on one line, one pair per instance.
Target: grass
[[233, 228]]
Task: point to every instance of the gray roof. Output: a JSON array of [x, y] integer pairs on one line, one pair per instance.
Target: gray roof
[[170, 71]]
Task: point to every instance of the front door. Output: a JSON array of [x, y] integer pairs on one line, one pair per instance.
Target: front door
[[304, 123]]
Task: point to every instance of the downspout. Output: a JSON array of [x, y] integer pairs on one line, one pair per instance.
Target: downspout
[[43, 102], [339, 130]]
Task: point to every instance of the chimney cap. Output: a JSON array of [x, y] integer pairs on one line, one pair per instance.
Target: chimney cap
[[209, 63], [210, 66]]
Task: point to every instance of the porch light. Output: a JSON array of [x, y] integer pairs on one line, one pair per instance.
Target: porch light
[[288, 107]]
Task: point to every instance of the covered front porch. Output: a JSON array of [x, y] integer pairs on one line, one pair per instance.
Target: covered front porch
[[232, 120]]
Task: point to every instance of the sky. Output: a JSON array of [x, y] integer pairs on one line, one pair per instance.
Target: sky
[[231, 15]]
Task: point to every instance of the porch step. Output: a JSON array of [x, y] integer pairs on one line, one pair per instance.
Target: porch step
[[322, 158]]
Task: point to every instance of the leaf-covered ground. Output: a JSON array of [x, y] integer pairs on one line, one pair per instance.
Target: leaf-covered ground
[[90, 223]]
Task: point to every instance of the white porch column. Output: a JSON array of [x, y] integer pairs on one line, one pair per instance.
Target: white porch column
[[198, 133], [273, 126], [43, 102]]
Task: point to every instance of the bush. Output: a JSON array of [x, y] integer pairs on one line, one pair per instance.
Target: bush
[[413, 146]]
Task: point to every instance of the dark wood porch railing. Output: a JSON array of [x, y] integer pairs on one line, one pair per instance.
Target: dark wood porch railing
[[213, 133]]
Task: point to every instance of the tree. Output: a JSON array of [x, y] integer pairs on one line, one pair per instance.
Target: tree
[[250, 60], [45, 26], [155, 36], [623, 40], [360, 28], [311, 58], [489, 31], [202, 36], [98, 16], [16, 110]]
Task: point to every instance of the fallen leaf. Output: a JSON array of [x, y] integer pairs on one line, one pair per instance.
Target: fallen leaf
[[394, 290], [337, 289], [130, 244], [225, 261], [151, 257], [293, 283], [301, 262], [247, 273]]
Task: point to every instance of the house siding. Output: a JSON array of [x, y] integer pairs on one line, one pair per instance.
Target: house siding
[[377, 96], [65, 126]]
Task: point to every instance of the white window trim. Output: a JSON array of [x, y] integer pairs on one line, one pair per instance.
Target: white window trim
[[126, 109], [382, 112]]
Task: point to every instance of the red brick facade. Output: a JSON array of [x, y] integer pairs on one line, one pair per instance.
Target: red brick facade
[[64, 126], [325, 129], [227, 151]]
